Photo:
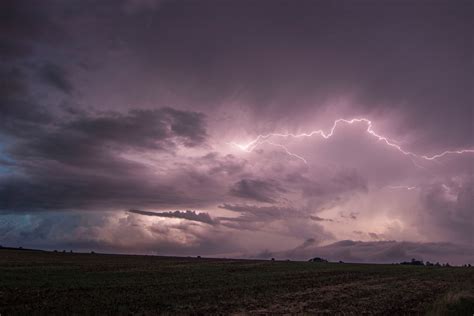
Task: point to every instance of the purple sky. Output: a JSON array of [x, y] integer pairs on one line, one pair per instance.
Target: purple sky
[[225, 128]]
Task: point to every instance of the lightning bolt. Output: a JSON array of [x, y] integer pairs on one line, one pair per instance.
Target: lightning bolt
[[287, 151], [261, 139]]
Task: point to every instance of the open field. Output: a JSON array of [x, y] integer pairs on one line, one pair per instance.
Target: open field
[[35, 282]]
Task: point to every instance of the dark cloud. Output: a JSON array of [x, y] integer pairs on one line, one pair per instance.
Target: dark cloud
[[24, 31], [138, 6], [93, 140], [23, 25], [320, 219], [46, 191], [349, 215], [307, 243], [57, 77], [150, 129], [78, 163], [19, 114], [258, 190], [101, 180], [189, 215], [375, 236]]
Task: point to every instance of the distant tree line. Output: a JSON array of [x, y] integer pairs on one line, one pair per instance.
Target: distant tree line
[[415, 262]]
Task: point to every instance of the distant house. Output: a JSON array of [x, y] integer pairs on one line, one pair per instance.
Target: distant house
[[317, 259]]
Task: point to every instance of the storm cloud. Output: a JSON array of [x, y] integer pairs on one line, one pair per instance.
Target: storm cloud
[[241, 110]]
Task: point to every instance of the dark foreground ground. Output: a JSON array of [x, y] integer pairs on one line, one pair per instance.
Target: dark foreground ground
[[34, 282]]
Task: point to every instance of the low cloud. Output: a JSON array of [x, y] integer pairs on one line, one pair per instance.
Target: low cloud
[[118, 232], [381, 252], [188, 215]]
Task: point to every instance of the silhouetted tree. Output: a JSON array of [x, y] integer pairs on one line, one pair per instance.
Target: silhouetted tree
[[413, 262], [317, 259]]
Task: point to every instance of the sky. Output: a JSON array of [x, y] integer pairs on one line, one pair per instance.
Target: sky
[[246, 129]]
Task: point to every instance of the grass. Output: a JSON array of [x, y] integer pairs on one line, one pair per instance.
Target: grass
[[68, 283], [455, 302]]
